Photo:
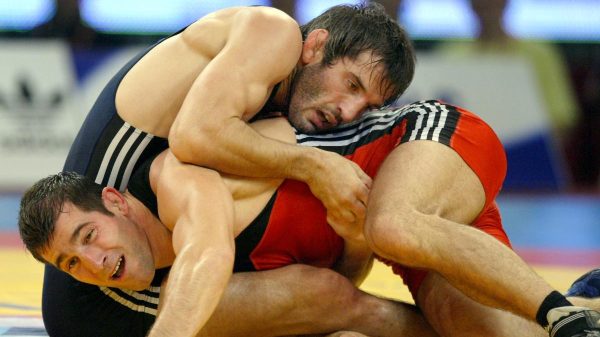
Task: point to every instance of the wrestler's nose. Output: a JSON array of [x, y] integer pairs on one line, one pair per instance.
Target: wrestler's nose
[[93, 259], [353, 107]]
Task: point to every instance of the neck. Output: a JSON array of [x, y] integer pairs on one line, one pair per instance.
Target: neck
[[281, 98], [158, 235]]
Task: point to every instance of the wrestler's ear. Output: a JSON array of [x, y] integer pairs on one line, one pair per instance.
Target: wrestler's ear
[[314, 46], [114, 200]]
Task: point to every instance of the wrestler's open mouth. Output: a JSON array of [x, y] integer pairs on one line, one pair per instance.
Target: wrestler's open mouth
[[319, 120], [326, 119], [118, 271]]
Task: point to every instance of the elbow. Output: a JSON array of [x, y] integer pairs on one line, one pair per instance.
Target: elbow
[[225, 256], [221, 260], [180, 147], [191, 145], [216, 260]]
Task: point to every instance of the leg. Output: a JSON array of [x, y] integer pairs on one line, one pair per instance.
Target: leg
[[452, 313], [421, 196], [300, 299]]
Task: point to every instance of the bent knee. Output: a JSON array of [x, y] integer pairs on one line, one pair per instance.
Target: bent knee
[[389, 236], [326, 283]]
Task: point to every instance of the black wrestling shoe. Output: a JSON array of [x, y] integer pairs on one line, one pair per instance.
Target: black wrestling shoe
[[587, 285], [573, 322]]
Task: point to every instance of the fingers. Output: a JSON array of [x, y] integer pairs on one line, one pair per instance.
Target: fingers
[[363, 176], [362, 196], [354, 207], [346, 223], [344, 190], [348, 231], [341, 217], [360, 212], [351, 209]]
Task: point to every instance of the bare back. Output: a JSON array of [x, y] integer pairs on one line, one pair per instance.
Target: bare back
[[250, 195], [152, 93]]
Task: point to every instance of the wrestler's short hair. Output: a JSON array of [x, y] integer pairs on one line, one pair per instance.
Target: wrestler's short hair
[[44, 201], [354, 29]]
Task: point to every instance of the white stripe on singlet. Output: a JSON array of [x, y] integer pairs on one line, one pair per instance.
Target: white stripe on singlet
[[441, 123], [430, 112], [425, 125], [418, 123], [135, 307], [133, 160], [122, 152], [113, 171], [352, 132], [109, 153]]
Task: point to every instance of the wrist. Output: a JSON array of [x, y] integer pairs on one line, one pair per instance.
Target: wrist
[[306, 164]]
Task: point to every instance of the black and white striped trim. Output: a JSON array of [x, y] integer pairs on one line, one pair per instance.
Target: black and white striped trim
[[566, 321], [121, 156], [145, 301], [430, 120]]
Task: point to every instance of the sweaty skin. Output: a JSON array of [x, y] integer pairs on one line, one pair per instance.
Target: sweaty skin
[[199, 88], [201, 215]]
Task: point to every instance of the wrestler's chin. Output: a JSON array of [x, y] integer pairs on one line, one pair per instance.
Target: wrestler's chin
[[142, 281], [133, 278], [135, 285]]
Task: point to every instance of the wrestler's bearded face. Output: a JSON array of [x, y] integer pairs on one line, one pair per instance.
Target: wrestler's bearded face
[[324, 96], [306, 112]]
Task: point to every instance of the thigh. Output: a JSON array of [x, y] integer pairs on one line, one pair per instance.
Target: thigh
[[453, 314], [278, 302], [304, 300]]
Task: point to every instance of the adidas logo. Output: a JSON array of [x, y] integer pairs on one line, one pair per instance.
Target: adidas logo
[[27, 102]]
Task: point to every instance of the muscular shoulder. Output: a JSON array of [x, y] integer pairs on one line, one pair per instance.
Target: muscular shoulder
[[221, 26]]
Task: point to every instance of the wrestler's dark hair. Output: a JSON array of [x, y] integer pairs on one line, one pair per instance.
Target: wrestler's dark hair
[[354, 29], [43, 202]]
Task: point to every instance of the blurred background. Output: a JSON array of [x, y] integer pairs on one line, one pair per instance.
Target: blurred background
[[530, 68]]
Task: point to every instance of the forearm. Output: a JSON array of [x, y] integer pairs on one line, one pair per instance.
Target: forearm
[[234, 147], [261, 49], [193, 292]]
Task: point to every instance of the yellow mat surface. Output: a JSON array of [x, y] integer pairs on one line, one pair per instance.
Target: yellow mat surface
[[21, 280]]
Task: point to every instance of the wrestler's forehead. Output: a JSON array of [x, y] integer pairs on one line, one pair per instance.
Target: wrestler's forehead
[[63, 228], [371, 70]]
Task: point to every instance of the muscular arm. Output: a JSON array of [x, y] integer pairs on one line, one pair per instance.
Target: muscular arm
[[261, 48], [195, 204], [422, 196]]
